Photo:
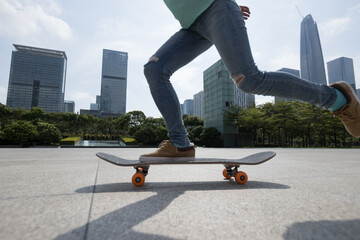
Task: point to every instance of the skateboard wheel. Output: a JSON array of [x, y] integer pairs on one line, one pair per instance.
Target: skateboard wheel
[[241, 177], [226, 175], [138, 179]]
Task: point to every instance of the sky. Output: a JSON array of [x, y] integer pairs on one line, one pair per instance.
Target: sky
[[83, 28]]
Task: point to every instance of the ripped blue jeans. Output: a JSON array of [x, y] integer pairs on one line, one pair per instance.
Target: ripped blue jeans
[[222, 25]]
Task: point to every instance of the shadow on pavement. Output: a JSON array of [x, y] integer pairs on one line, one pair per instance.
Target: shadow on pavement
[[119, 224], [186, 186], [324, 230]]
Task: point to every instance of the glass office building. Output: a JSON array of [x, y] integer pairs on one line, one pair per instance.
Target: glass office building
[[341, 69], [188, 107], [312, 65], [218, 95], [113, 83], [198, 104], [243, 99], [69, 106], [37, 79]]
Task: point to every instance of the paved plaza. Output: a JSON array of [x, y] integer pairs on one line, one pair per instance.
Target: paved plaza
[[55, 193]]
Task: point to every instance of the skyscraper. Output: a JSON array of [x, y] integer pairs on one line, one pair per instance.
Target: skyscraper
[[37, 79], [243, 99], [69, 106], [341, 69], [113, 83], [189, 107], [312, 65], [198, 104], [218, 95]]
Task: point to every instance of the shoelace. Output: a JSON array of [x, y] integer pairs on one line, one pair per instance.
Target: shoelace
[[163, 144]]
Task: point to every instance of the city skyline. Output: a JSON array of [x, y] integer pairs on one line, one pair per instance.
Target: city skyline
[[83, 29]]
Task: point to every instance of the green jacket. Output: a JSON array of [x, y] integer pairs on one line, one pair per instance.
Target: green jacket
[[187, 11]]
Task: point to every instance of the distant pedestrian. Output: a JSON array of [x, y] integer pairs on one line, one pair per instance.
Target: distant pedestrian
[[221, 23]]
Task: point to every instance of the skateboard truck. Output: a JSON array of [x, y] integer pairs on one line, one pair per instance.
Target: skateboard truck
[[241, 177], [138, 178], [232, 171]]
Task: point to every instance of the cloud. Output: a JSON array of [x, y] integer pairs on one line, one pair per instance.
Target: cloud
[[336, 26], [24, 18], [286, 57], [82, 99], [188, 81], [260, 100]]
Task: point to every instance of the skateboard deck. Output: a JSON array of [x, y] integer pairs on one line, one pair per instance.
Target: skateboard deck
[[231, 165]]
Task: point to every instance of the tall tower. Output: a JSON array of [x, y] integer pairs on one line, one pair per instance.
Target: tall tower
[[341, 69], [113, 83], [312, 65], [37, 79]]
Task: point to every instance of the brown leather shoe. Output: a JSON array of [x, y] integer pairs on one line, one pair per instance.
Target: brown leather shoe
[[350, 113], [168, 150]]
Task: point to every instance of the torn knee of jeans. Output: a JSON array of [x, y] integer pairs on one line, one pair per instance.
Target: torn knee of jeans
[[239, 79], [154, 59]]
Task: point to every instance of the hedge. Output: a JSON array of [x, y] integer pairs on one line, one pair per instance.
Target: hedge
[[70, 141]]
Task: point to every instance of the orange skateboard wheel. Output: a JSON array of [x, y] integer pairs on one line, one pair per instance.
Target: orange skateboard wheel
[[226, 175], [241, 177], [138, 179]]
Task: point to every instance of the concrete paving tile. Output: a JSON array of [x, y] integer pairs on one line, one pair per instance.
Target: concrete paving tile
[[27, 173], [44, 217], [38, 198]]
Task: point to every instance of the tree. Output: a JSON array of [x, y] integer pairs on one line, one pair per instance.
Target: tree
[[211, 137], [195, 133], [20, 132], [137, 118], [192, 121], [121, 124], [35, 114], [145, 135], [5, 114], [151, 132], [48, 133]]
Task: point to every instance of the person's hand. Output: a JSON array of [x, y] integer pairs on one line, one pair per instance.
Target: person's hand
[[245, 11]]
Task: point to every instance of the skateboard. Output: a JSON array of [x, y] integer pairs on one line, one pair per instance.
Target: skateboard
[[231, 165]]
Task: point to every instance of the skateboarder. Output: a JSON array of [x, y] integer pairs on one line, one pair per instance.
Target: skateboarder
[[221, 23]]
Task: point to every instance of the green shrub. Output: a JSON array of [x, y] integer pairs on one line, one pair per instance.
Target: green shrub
[[70, 141], [129, 140], [47, 133], [20, 132]]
